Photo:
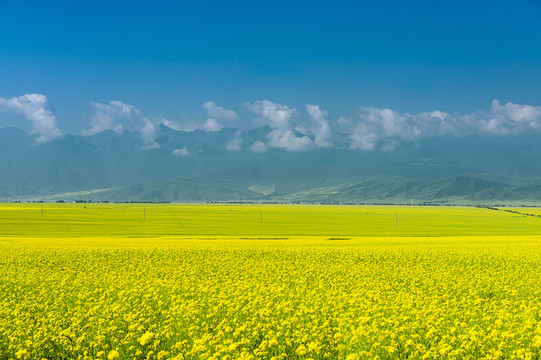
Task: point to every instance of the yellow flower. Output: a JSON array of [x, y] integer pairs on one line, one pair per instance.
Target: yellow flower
[[313, 347], [113, 355], [21, 354], [301, 350], [163, 354], [379, 300], [146, 338]]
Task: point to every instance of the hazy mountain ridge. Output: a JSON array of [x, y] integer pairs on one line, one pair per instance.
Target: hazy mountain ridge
[[457, 190], [195, 166]]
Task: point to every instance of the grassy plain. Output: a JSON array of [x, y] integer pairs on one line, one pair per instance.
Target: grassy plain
[[260, 282]]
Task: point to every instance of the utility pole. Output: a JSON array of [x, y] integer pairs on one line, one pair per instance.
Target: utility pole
[[261, 217]]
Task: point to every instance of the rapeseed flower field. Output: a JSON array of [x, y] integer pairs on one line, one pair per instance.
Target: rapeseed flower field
[[268, 282]]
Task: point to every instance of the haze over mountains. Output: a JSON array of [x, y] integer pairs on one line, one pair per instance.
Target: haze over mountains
[[224, 166]]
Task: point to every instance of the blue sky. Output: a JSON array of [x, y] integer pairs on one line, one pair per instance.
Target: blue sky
[[167, 60]]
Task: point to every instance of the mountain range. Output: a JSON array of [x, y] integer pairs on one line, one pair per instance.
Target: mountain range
[[204, 166]]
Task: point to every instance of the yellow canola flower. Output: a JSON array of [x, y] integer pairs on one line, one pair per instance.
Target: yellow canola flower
[[318, 282], [146, 338], [113, 355], [301, 350], [21, 354], [163, 354]]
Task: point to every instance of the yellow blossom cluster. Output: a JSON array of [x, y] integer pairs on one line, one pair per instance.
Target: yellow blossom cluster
[[305, 298], [196, 282]]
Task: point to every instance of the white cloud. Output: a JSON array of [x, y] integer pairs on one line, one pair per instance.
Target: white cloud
[[440, 123], [216, 111], [235, 143], [181, 152], [323, 133], [279, 118], [370, 129], [376, 124], [389, 123], [107, 116], [286, 139], [510, 118], [119, 116], [212, 125], [377, 127], [258, 147], [35, 107], [495, 126], [148, 133], [527, 114], [363, 139], [275, 115], [218, 116]]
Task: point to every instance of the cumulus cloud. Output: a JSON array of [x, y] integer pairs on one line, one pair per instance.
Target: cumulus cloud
[[211, 125], [216, 111], [370, 128], [363, 139], [35, 107], [258, 147], [274, 115], [119, 116], [279, 118], [218, 117], [384, 128], [108, 116], [510, 118], [235, 144], [181, 152], [322, 133], [375, 124], [148, 134], [286, 139]]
